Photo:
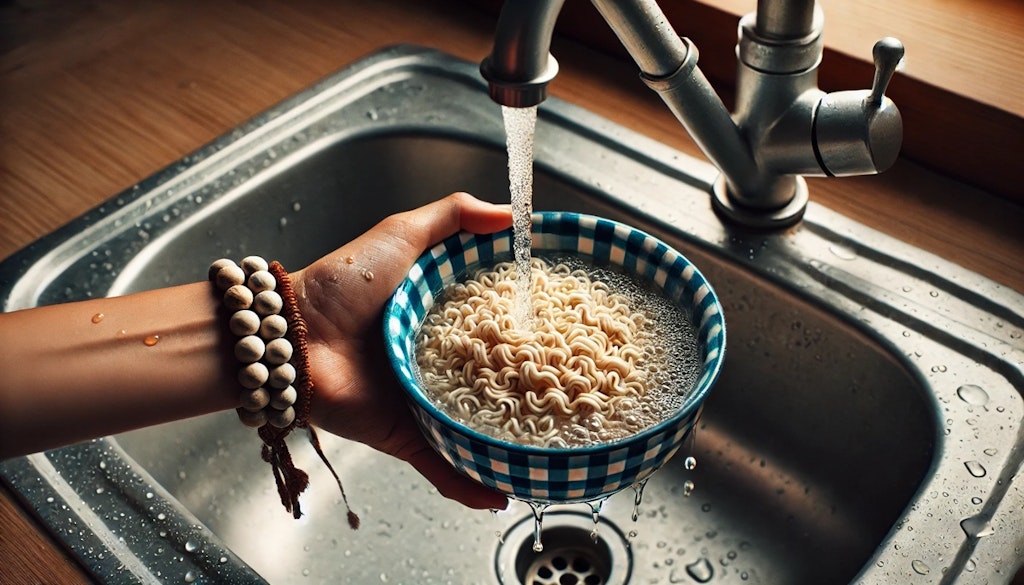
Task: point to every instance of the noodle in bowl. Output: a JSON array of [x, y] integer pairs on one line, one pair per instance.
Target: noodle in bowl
[[508, 417]]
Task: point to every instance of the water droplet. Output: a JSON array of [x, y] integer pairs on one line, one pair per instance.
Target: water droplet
[[842, 252], [595, 509], [975, 468], [690, 463], [538, 524], [638, 496], [701, 570], [190, 577], [976, 527], [498, 533], [920, 567], [191, 546], [151, 340], [976, 500], [98, 317], [687, 488], [972, 394]]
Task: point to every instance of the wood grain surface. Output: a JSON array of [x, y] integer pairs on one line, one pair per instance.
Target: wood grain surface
[[96, 95]]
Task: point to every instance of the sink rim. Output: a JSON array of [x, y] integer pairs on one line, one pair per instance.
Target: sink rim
[[837, 287]]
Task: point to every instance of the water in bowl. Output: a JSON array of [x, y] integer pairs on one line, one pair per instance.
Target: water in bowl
[[634, 361]]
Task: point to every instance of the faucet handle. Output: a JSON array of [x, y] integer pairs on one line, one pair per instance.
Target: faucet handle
[[888, 54], [860, 132]]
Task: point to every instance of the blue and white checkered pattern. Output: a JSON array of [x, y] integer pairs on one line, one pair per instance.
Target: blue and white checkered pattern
[[556, 475]]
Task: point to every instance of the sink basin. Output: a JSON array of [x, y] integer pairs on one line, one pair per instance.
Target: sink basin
[[866, 427]]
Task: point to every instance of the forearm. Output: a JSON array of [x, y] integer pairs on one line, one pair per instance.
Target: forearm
[[81, 370]]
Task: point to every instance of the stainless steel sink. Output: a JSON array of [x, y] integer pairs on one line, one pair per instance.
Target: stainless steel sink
[[866, 428]]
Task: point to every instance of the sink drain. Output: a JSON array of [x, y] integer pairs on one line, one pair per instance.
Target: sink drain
[[567, 566], [573, 554]]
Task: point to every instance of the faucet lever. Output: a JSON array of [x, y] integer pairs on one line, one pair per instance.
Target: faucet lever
[[859, 132], [888, 54]]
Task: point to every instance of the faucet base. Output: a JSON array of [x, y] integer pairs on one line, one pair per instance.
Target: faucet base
[[779, 218]]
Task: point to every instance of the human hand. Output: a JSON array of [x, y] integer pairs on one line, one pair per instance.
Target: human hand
[[342, 298]]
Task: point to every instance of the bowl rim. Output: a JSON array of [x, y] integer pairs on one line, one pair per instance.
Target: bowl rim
[[711, 366]]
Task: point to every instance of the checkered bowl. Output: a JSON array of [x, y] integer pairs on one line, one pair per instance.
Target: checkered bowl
[[550, 474]]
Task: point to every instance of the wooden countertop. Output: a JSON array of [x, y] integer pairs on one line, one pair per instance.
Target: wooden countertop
[[97, 95]]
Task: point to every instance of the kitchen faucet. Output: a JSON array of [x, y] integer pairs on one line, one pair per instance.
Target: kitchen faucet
[[783, 128]]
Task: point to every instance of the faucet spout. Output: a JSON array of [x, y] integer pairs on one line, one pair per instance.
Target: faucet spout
[[520, 66]]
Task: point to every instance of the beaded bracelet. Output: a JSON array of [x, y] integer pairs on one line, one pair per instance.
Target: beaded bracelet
[[274, 373]]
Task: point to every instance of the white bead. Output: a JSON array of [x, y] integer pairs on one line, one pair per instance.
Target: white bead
[[252, 419], [244, 323], [254, 400], [262, 280], [215, 267], [282, 399], [273, 326], [281, 418], [267, 302], [278, 351], [251, 264], [238, 297], [281, 376], [254, 375], [249, 349], [229, 276]]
